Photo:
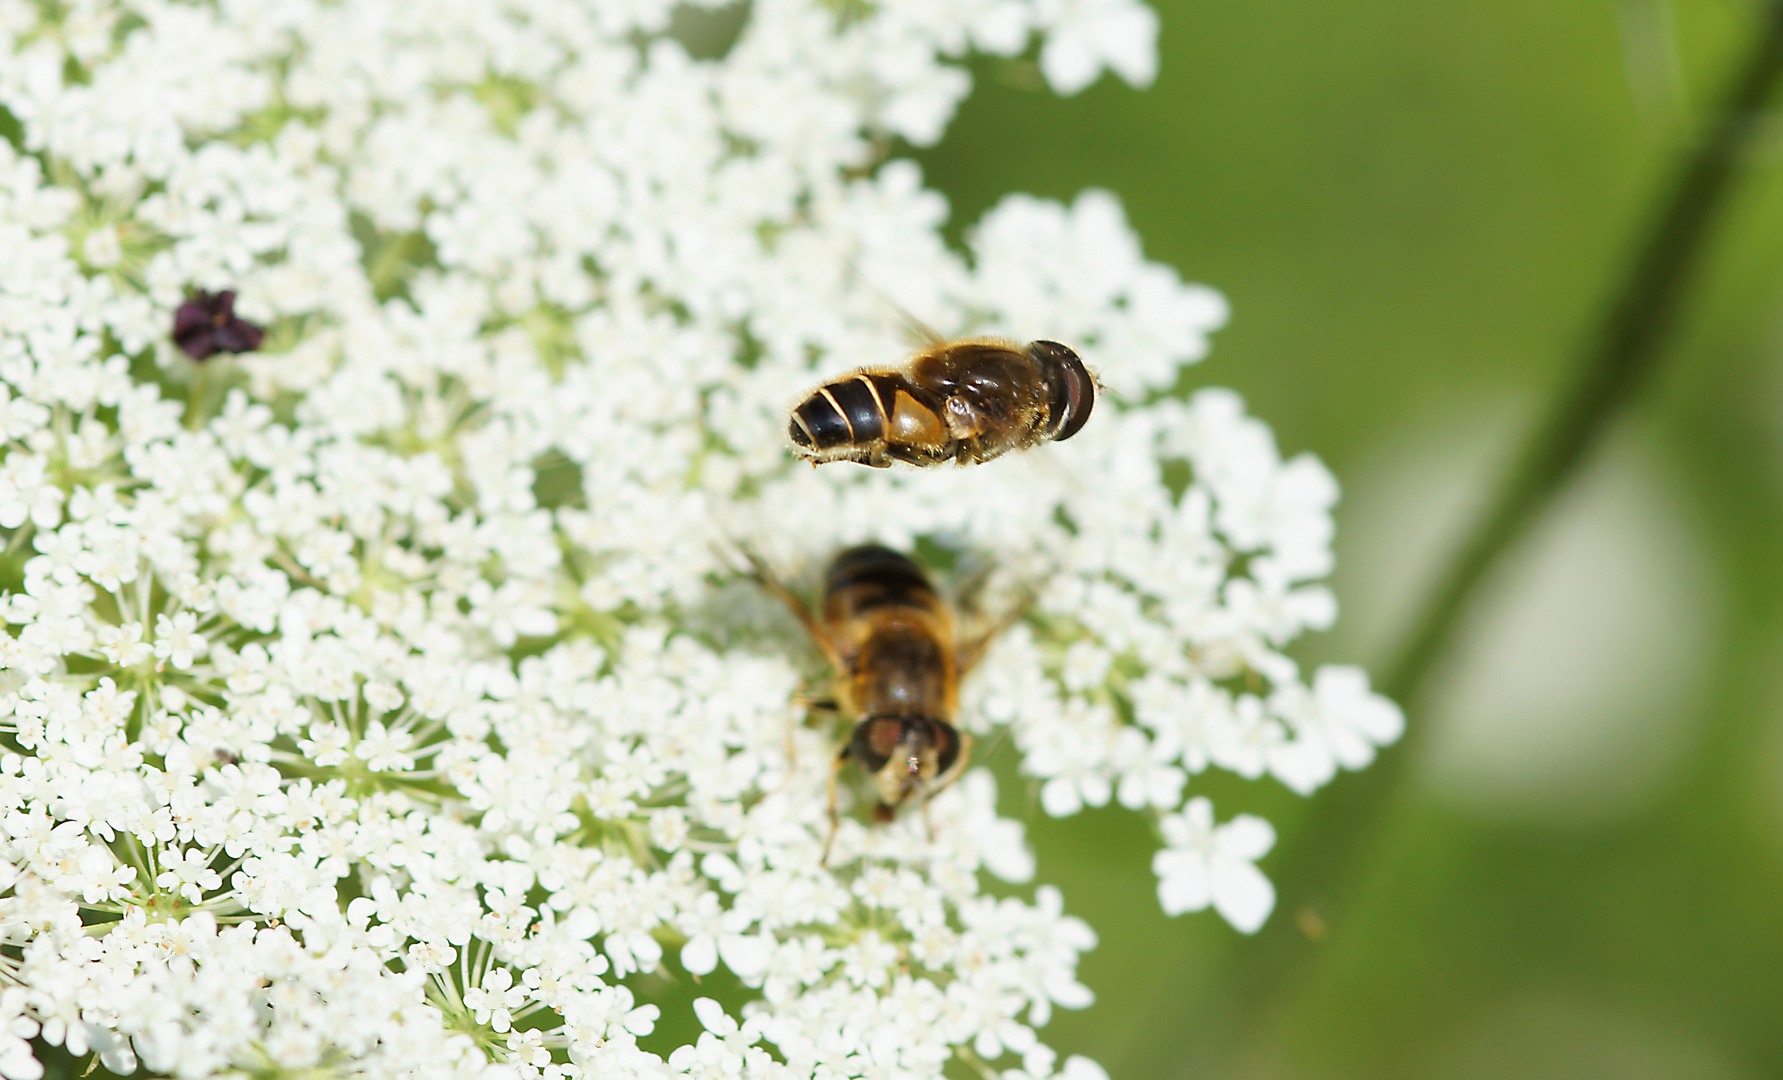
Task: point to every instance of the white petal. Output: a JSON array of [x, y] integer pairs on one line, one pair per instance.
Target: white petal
[[1070, 994], [1004, 849], [987, 1045], [1199, 813], [1183, 881], [745, 954], [1242, 895], [713, 1017], [1096, 790], [641, 1021], [1078, 1067], [1060, 798], [1179, 831], [1129, 43], [1132, 792], [1304, 765], [1067, 65], [1245, 837], [17, 1062], [700, 955], [1380, 719], [1003, 30]]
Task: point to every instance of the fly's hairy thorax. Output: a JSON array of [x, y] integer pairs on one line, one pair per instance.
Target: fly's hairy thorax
[[987, 392], [902, 668]]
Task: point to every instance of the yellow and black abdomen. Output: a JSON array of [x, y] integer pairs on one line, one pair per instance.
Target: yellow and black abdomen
[[894, 634], [871, 417]]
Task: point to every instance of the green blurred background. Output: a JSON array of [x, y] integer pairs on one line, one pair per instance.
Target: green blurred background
[[1418, 212]]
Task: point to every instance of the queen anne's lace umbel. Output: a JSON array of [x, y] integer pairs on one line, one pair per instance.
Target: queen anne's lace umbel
[[385, 702]]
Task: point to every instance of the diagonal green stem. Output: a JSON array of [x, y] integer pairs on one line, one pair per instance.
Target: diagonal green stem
[[1322, 864], [1623, 354]]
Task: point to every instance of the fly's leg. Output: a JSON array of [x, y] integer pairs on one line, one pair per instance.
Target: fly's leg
[[835, 814], [945, 780], [759, 573], [955, 771], [810, 705]]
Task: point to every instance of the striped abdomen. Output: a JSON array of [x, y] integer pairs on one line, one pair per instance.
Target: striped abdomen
[[895, 636], [869, 417]]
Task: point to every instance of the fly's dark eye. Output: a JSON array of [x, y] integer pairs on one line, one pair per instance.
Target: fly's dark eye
[[947, 747], [875, 740], [1073, 388]]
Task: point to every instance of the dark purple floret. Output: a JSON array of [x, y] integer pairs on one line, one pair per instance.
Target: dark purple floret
[[206, 324]]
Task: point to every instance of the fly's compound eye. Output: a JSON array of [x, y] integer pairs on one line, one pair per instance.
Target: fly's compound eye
[[947, 747], [1073, 388], [875, 741]]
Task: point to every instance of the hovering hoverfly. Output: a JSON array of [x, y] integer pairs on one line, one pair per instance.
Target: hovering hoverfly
[[964, 401], [892, 642]]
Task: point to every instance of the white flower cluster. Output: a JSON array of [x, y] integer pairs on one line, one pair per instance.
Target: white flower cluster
[[384, 702]]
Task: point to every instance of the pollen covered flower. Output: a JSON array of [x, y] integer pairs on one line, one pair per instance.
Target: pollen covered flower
[[386, 698]]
